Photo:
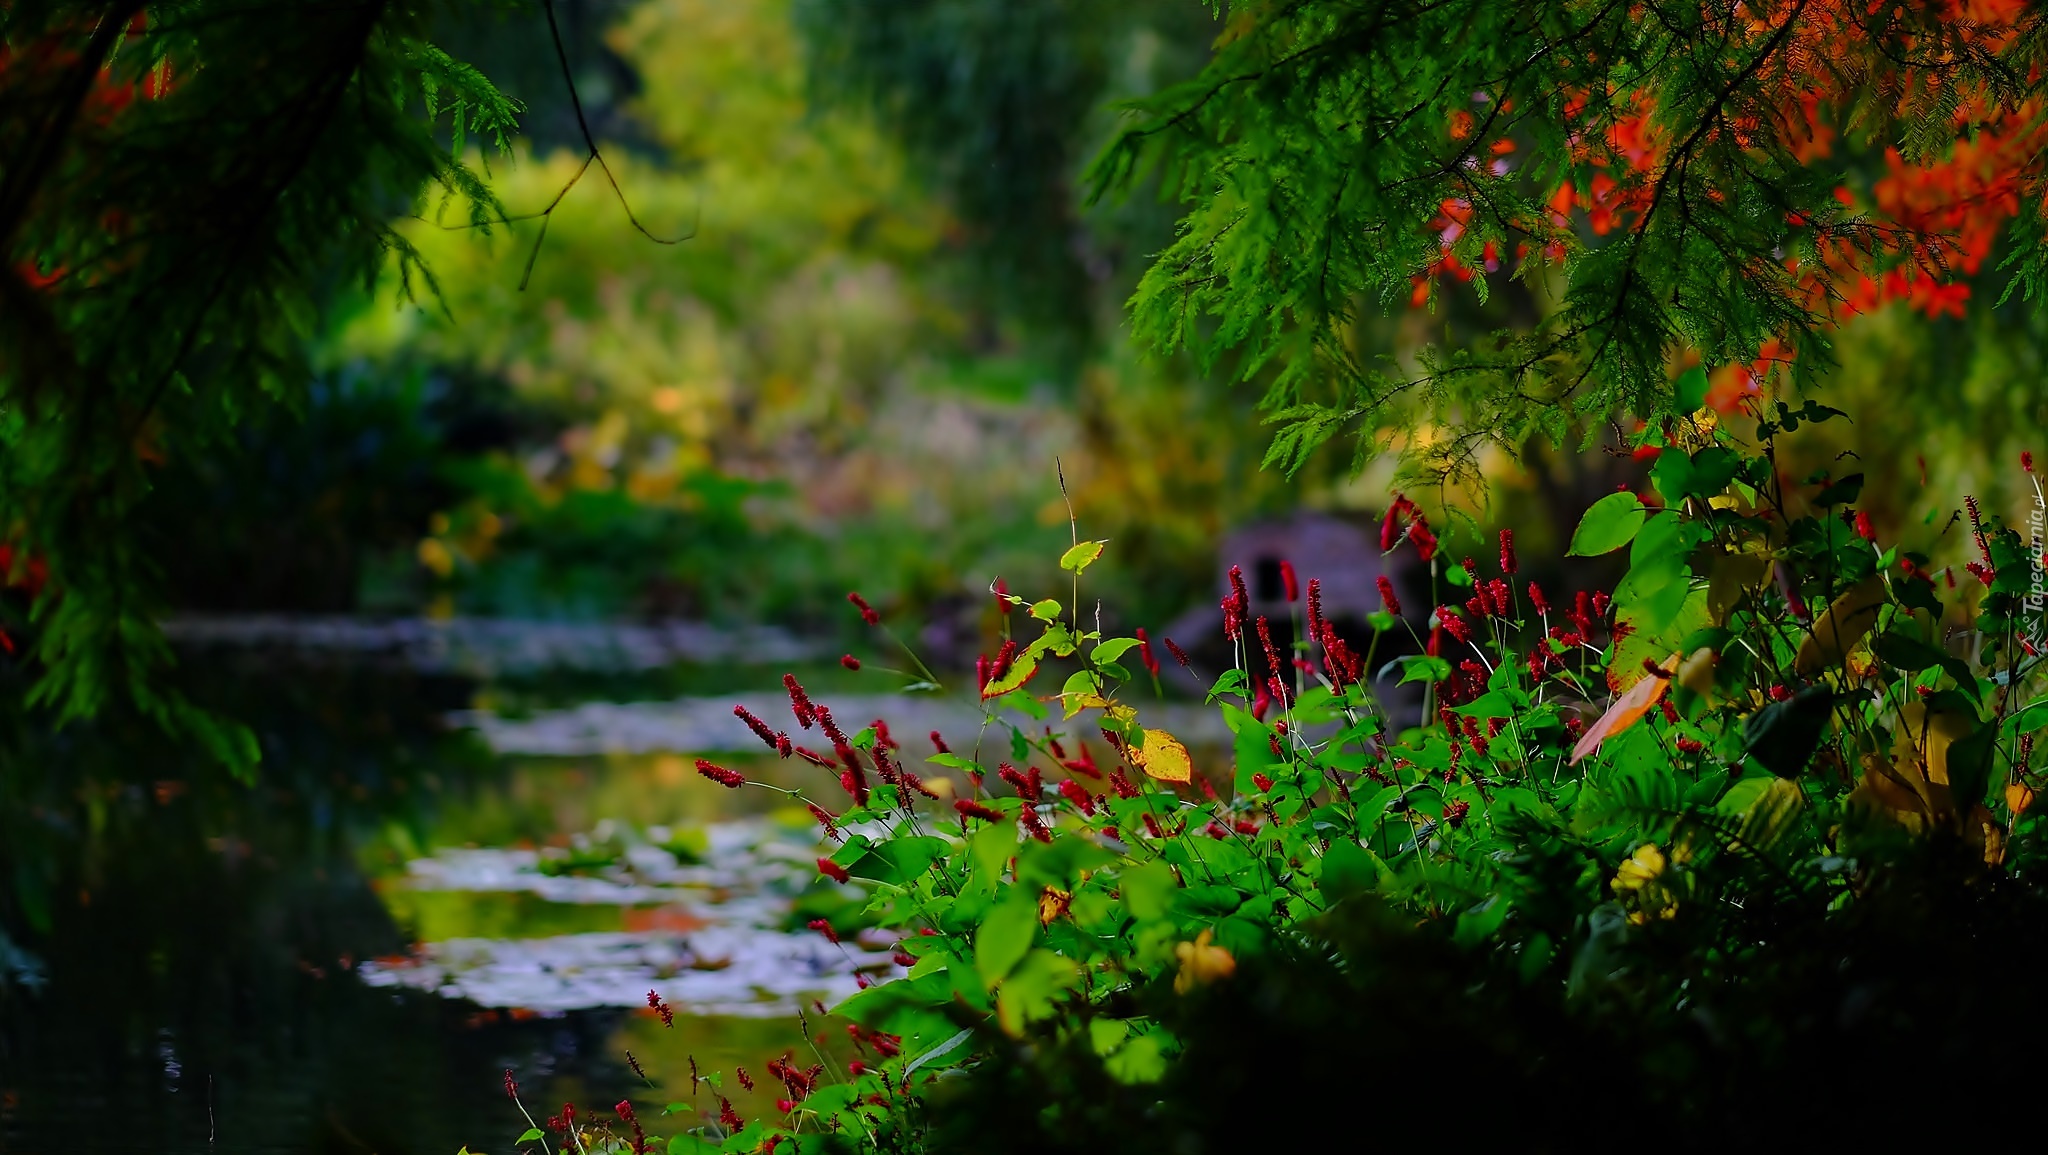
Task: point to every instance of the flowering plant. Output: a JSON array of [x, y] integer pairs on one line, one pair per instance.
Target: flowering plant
[[1750, 726]]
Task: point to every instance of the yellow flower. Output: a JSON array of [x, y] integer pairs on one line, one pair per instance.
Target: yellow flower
[[1202, 963]]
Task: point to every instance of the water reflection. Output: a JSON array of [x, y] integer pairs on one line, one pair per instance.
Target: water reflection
[[185, 958]]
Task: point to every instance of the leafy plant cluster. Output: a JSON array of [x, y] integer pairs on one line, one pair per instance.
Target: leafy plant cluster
[[1670, 836]]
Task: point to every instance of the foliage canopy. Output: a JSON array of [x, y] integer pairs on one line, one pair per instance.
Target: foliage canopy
[[1726, 179]]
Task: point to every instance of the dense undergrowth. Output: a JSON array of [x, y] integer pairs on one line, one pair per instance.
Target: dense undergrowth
[[1748, 843]]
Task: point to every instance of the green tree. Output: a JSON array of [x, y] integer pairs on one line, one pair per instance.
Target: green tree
[[179, 183], [1644, 178]]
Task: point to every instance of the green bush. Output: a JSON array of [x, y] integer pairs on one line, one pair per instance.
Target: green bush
[[1749, 841]]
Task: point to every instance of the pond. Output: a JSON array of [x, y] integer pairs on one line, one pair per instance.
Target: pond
[[452, 865]]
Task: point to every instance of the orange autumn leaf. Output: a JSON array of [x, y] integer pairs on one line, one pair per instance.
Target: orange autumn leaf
[[1626, 709]]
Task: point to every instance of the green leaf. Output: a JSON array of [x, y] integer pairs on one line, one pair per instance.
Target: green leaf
[[1081, 556], [529, 1135], [1782, 735], [1028, 992], [1689, 392], [1005, 936], [2026, 721], [1231, 681], [1148, 889], [1910, 654], [898, 860], [1609, 525], [1044, 611], [1113, 649], [1423, 668]]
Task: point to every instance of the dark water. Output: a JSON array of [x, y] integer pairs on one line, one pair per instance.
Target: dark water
[[179, 967]]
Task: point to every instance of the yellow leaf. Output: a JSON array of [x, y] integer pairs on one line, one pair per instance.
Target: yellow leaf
[[2018, 797], [1020, 670], [1729, 577], [1052, 903], [1163, 757], [1626, 709], [1924, 736], [1075, 703], [1697, 674], [1842, 626]]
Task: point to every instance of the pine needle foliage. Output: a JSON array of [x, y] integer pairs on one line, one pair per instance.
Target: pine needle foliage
[[1336, 156], [180, 182]]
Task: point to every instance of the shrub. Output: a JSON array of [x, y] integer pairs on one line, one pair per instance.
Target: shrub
[[1764, 812]]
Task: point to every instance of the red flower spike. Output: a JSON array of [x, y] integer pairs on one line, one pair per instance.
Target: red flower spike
[[1029, 787], [1864, 529], [1145, 654], [850, 662], [1425, 541], [745, 1079], [1507, 552], [755, 724], [831, 728], [1315, 607], [668, 1019], [1084, 765], [800, 702], [511, 1087], [1033, 825], [1501, 596], [1600, 603], [1780, 692], [1075, 793], [727, 1117], [1388, 601], [867, 612], [1152, 826], [1690, 745], [1537, 599], [2027, 460], [1122, 784], [1670, 711], [940, 743], [968, 808], [833, 870], [824, 928], [730, 779], [1453, 624], [1262, 782], [1290, 584], [1179, 655]]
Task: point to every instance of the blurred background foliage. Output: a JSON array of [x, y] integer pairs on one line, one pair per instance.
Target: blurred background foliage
[[894, 311]]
